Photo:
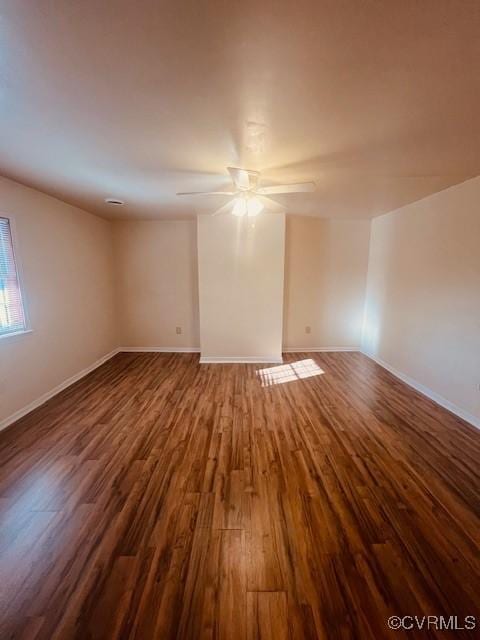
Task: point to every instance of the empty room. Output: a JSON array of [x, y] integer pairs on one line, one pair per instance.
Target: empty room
[[239, 319]]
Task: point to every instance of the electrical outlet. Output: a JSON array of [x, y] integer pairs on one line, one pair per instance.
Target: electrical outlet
[[308, 329], [178, 330]]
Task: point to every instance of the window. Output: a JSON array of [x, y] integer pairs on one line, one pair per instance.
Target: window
[[12, 316]]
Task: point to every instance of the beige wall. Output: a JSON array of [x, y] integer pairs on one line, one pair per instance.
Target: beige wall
[[241, 268], [66, 260], [157, 283], [423, 297], [325, 279]]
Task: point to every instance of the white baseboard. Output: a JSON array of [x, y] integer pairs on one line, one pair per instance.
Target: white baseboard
[[443, 402], [160, 349], [239, 360], [232, 359], [317, 349], [53, 392]]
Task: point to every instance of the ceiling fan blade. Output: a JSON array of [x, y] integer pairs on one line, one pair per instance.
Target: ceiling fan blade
[[299, 187], [243, 179], [226, 208], [271, 205], [206, 193]]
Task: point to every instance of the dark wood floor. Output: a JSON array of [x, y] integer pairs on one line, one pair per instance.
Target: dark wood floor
[[160, 498]]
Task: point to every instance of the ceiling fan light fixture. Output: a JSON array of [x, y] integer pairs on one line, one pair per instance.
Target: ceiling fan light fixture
[[254, 207], [239, 207], [248, 205]]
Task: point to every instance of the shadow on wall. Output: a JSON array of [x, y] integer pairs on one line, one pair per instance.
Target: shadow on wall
[[370, 329]]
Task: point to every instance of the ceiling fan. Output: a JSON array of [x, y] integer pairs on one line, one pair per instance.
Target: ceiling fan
[[249, 198]]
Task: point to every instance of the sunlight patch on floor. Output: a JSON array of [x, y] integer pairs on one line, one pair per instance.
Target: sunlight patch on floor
[[289, 372]]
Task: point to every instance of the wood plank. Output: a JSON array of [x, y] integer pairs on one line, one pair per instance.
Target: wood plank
[[161, 498], [267, 615]]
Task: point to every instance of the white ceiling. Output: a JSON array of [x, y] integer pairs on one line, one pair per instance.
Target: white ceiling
[[378, 102]]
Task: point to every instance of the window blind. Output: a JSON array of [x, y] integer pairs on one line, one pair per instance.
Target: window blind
[[12, 317]]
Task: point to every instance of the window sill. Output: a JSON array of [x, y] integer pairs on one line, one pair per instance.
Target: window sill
[[15, 334]]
